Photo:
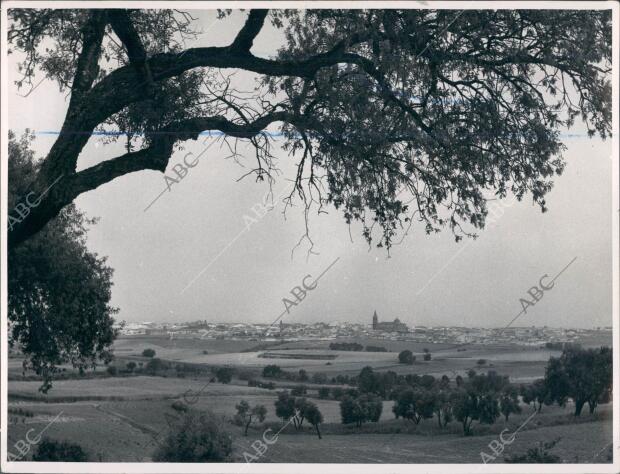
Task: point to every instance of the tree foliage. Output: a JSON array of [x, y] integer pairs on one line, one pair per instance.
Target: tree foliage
[[396, 116], [58, 291], [360, 409], [406, 357], [198, 437], [246, 415], [585, 375]]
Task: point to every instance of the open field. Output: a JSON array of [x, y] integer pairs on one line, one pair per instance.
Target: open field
[[521, 363], [124, 414], [128, 429]]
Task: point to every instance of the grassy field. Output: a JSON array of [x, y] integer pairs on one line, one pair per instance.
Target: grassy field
[[128, 429], [116, 418]]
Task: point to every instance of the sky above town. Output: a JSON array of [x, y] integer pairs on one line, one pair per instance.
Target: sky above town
[[205, 250]]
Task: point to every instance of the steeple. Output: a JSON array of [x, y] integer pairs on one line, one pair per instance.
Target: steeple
[[375, 320]]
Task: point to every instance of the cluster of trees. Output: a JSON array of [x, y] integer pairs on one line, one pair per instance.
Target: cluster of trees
[[583, 375], [246, 415], [337, 393], [360, 409], [407, 357], [356, 347], [276, 372], [297, 409], [480, 397], [376, 349]]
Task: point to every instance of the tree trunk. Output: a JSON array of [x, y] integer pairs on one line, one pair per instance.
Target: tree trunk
[[579, 406], [592, 406], [247, 425], [317, 431]]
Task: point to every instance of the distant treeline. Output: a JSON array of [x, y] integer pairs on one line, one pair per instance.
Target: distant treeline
[[560, 346], [354, 346]]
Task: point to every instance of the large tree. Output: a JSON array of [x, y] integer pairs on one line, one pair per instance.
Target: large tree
[[444, 109], [585, 375], [58, 291]]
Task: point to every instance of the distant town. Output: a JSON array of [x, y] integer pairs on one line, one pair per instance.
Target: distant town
[[393, 330]]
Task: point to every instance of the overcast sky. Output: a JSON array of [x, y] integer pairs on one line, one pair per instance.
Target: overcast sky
[[196, 253]]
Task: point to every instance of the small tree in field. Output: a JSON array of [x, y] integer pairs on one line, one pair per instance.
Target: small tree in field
[[464, 408], [247, 415], [285, 406], [224, 374], [131, 366], [406, 357], [314, 416], [148, 353], [509, 401], [197, 438], [536, 393], [360, 409], [414, 404]]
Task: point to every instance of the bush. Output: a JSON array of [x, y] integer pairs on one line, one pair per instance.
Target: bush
[[148, 353], [427, 356], [179, 406], [481, 362], [112, 370], [131, 366], [205, 352], [224, 374], [406, 357], [538, 455], [198, 438], [272, 370], [49, 450]]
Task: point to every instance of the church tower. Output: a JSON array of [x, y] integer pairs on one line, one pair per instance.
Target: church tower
[[375, 320]]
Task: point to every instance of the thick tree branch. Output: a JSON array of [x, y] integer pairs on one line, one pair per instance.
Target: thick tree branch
[[123, 27], [87, 67], [253, 25], [154, 157], [59, 160]]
